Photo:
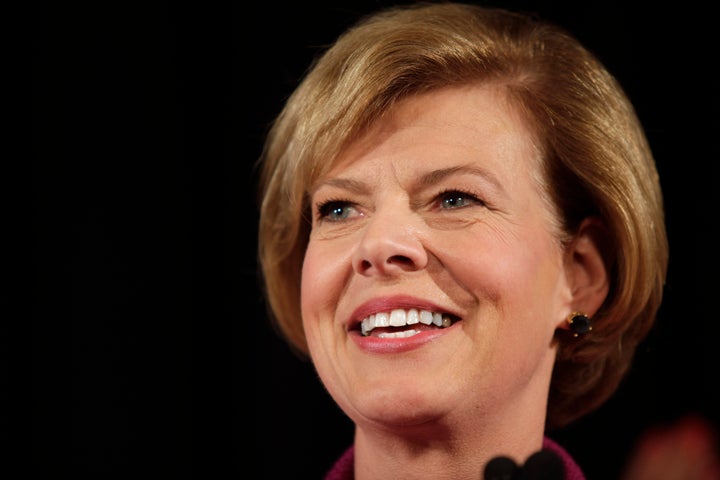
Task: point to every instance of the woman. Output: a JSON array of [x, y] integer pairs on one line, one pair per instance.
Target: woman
[[462, 226]]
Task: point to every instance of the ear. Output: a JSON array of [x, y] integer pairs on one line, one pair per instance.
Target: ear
[[585, 268]]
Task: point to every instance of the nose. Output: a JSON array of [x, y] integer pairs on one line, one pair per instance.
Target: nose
[[390, 245]]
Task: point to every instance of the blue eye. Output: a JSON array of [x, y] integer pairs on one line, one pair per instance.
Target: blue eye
[[334, 210], [457, 199]]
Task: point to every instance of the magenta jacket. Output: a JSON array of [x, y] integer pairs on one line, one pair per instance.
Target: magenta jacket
[[343, 467]]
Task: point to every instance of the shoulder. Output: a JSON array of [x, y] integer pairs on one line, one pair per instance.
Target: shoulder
[[343, 468], [572, 469]]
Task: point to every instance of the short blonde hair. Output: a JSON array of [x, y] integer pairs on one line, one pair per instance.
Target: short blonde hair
[[596, 161]]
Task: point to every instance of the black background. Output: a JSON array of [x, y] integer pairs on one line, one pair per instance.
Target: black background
[[152, 355]]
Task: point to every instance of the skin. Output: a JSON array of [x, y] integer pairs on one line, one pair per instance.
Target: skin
[[439, 206]]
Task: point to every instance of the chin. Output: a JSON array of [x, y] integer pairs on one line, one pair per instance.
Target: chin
[[402, 418], [401, 406]]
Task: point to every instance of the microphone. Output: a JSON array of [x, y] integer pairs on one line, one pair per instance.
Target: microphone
[[501, 468], [542, 465]]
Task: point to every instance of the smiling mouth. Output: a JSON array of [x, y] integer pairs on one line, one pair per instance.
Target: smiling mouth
[[402, 323]]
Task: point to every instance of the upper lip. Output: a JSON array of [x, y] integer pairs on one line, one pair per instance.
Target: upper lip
[[389, 303]]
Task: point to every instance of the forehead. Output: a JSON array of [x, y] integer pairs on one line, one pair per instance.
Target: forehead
[[468, 124]]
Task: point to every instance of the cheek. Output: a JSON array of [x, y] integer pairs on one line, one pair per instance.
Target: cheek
[[518, 288], [519, 278], [311, 285], [321, 283]]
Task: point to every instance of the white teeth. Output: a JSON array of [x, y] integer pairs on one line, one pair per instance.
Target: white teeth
[[405, 334], [399, 318], [365, 325]]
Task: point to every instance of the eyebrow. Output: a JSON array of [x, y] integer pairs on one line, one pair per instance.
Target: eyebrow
[[435, 176], [426, 180], [353, 186]]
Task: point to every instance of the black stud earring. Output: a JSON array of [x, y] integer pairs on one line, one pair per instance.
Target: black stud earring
[[579, 323]]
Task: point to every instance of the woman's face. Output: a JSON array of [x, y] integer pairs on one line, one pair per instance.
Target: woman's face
[[436, 215]]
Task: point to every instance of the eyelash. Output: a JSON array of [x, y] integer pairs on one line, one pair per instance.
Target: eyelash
[[454, 193], [325, 208]]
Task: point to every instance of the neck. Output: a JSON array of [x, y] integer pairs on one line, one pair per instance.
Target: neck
[[456, 440], [449, 449]]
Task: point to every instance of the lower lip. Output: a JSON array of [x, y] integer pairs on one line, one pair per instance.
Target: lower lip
[[398, 345]]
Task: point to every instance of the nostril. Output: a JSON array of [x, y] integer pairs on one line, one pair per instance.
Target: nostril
[[388, 254], [401, 260], [397, 261]]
